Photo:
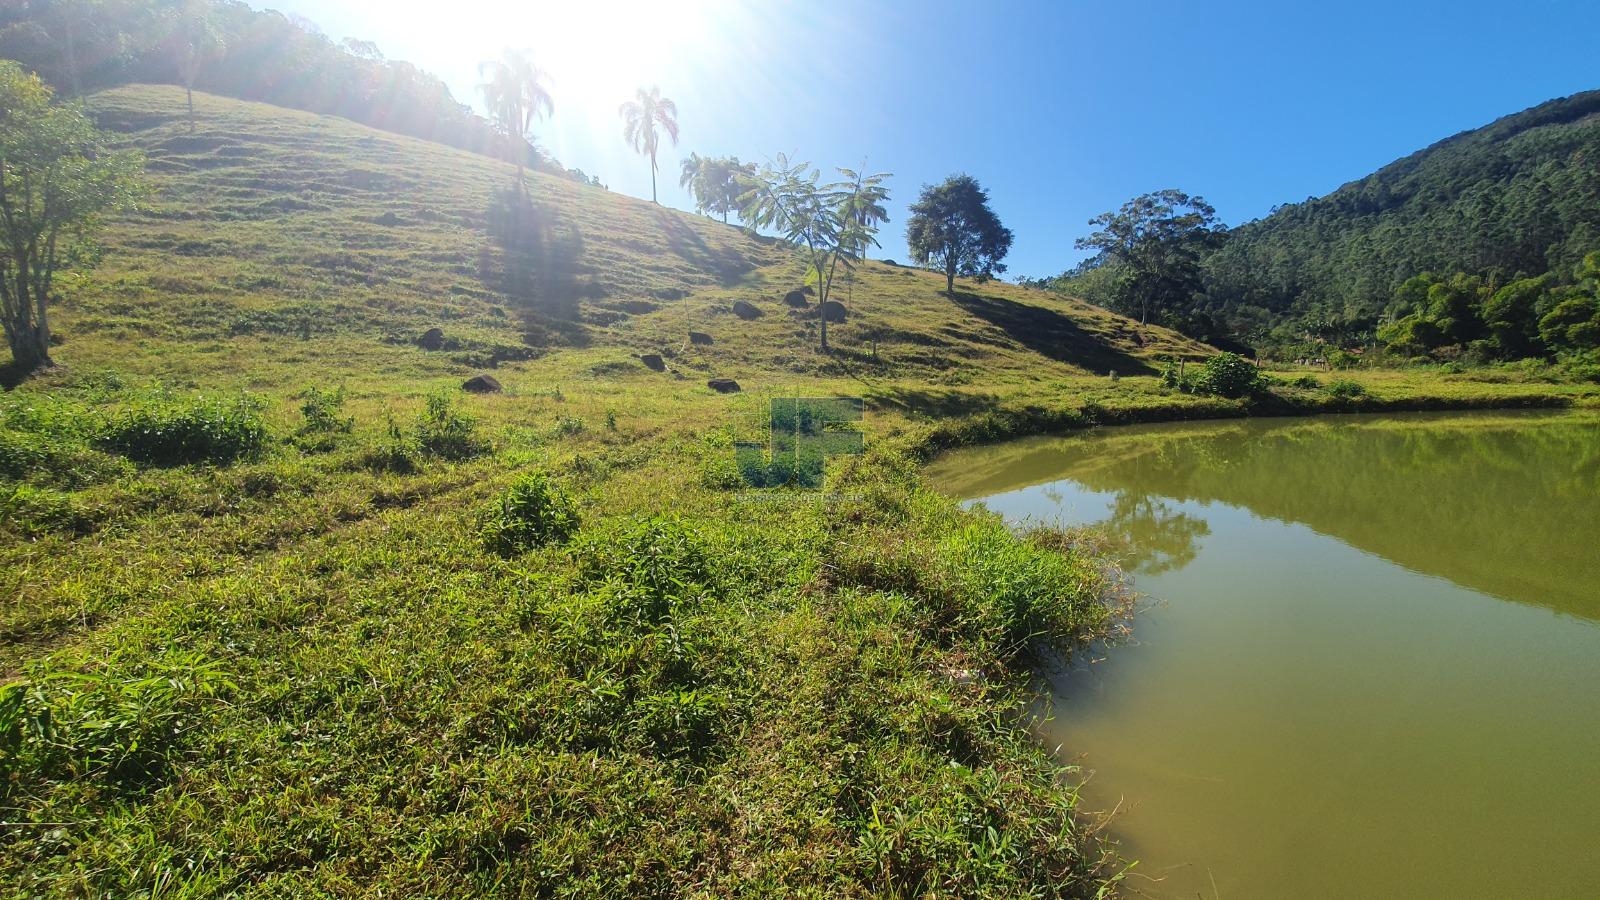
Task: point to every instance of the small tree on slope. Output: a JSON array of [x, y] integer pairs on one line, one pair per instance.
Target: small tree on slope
[[56, 177], [833, 224]]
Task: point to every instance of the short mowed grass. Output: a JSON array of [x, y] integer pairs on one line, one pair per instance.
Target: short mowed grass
[[288, 613]]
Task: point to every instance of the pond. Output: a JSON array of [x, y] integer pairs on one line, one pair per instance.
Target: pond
[[1366, 661]]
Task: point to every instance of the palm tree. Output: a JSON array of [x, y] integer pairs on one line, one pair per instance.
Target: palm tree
[[515, 93], [692, 177], [641, 116]]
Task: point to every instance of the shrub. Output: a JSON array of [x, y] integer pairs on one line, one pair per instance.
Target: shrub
[[650, 567], [1228, 375], [1342, 359], [1581, 366], [1346, 390], [167, 431], [982, 583], [321, 412], [443, 430], [534, 512], [1306, 382]]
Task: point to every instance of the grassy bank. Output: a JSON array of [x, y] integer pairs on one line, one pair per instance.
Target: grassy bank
[[309, 667], [289, 613]]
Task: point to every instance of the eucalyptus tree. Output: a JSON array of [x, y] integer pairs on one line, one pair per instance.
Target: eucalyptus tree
[[644, 119], [57, 175], [832, 224], [515, 93], [953, 228]]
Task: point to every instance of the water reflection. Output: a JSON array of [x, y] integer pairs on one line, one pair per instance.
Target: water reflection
[[1334, 699], [1485, 501]]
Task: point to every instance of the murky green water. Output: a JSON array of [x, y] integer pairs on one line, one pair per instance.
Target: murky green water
[[1370, 661]]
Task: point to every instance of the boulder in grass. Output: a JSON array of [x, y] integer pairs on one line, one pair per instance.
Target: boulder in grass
[[653, 362], [723, 385], [482, 384], [796, 299], [700, 339], [432, 339], [833, 311], [746, 310]]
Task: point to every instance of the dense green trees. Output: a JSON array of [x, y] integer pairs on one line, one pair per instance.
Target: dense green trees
[[644, 118], [1505, 203], [1156, 242], [715, 182], [953, 229], [56, 176], [1463, 316]]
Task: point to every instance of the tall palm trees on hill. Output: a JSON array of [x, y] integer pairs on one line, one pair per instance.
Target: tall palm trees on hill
[[641, 117], [514, 91]]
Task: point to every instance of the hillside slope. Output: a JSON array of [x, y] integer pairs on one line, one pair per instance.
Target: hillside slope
[[271, 223], [1521, 195]]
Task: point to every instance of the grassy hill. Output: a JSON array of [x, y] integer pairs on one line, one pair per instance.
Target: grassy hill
[[288, 613], [269, 221], [1520, 195]]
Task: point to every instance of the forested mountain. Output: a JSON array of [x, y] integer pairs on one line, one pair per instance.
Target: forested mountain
[[81, 46], [1513, 206], [1518, 197]]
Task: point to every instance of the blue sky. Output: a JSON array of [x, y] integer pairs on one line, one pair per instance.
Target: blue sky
[[1062, 110]]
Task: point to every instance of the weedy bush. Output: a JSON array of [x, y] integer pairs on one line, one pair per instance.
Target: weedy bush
[[163, 430], [1228, 375], [1306, 382], [651, 566], [534, 512], [323, 426], [981, 583], [120, 719], [443, 430], [321, 412], [1346, 390]]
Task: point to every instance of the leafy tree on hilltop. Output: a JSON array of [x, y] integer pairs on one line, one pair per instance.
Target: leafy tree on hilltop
[[953, 228], [515, 94], [56, 177], [832, 223], [641, 118], [715, 182], [1158, 240]]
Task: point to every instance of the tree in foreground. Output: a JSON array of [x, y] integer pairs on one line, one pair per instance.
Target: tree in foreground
[[514, 92], [1158, 239], [643, 119], [952, 228], [715, 182], [832, 224], [56, 176]]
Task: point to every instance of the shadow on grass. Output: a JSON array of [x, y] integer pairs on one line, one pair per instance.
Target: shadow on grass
[[540, 269], [726, 263], [930, 402], [1051, 334]]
